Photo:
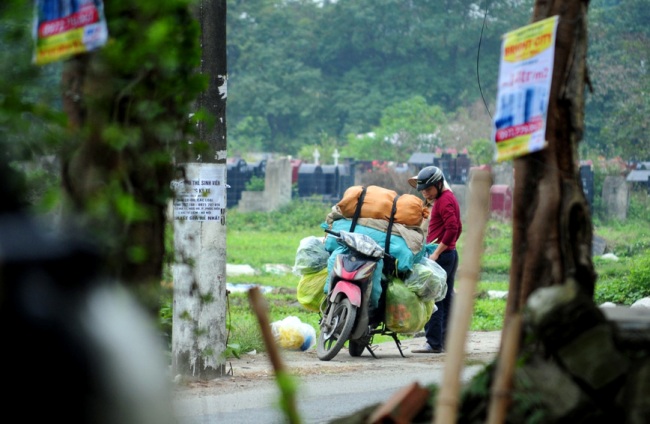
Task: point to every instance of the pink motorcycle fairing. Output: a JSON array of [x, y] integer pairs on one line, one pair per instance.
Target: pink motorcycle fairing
[[352, 291]]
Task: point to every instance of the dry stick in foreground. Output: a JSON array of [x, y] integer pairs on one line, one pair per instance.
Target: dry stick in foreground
[[463, 306], [285, 384], [500, 393]]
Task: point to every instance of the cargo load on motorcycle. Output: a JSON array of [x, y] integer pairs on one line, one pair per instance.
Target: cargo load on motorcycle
[[405, 283]]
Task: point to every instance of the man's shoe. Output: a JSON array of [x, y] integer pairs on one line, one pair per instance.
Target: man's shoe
[[428, 349]]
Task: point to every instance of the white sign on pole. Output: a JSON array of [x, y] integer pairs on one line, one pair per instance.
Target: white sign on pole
[[202, 195]]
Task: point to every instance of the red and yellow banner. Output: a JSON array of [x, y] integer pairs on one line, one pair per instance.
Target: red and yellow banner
[[66, 28], [525, 75]]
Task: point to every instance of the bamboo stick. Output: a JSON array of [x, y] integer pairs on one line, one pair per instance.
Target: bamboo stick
[[463, 306], [286, 386], [500, 396]]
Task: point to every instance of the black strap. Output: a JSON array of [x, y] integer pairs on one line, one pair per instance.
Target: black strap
[[357, 211], [389, 230]]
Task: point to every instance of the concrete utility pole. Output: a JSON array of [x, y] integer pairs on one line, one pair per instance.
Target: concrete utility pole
[[199, 319], [552, 228]]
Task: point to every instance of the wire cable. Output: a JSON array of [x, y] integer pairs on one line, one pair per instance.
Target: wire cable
[[478, 52]]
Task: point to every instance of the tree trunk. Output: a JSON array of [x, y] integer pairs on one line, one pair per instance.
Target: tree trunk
[[93, 169], [552, 229], [126, 111], [199, 322]]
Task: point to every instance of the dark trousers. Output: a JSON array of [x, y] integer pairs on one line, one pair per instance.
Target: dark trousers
[[435, 330]]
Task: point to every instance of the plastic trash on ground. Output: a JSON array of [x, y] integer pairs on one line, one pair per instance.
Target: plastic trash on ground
[[293, 334]]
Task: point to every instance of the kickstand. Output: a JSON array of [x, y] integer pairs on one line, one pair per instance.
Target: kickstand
[[399, 344], [371, 351]]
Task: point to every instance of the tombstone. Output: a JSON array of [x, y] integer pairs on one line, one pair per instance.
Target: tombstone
[[616, 197], [310, 180], [501, 201], [598, 246], [503, 173], [330, 180], [587, 178], [295, 165], [346, 180], [465, 199], [445, 162], [238, 174], [461, 192], [258, 169], [316, 157], [462, 169], [639, 178], [452, 171], [277, 189]]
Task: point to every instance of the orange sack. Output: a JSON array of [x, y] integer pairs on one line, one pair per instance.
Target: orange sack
[[378, 204]]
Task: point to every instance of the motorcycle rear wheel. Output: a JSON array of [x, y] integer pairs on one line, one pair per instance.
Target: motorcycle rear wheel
[[330, 341], [356, 347]]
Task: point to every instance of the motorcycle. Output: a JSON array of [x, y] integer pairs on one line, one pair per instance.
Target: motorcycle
[[345, 314]]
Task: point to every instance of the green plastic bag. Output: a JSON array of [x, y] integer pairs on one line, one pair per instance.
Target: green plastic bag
[[405, 311], [311, 290], [428, 280], [311, 256]]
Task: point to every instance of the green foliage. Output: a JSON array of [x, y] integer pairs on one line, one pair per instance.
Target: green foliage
[[246, 333], [627, 279], [497, 247], [31, 123], [639, 207], [249, 133], [639, 279], [616, 112], [625, 239], [498, 263], [347, 62], [255, 184], [624, 283], [259, 238], [481, 151], [165, 316], [405, 127], [232, 350], [325, 148], [250, 242], [259, 248], [244, 329], [288, 386], [298, 215], [384, 176], [133, 95], [488, 314]]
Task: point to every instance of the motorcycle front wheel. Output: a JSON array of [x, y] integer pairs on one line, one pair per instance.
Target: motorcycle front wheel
[[332, 338]]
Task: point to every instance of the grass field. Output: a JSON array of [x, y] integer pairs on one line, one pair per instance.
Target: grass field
[[257, 239]]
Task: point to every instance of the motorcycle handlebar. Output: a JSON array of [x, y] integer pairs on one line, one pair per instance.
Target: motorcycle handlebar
[[332, 232]]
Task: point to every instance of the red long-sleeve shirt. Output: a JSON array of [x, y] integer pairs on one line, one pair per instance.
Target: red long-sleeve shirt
[[444, 220]]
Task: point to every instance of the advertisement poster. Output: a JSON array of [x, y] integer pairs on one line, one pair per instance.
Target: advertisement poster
[[525, 75], [201, 196], [64, 28]]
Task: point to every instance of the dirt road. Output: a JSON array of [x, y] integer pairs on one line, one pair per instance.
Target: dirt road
[[255, 369]]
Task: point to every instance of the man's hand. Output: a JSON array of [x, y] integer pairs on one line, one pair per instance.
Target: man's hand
[[436, 253]]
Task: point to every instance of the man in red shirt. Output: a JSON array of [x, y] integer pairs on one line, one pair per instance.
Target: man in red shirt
[[444, 229]]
